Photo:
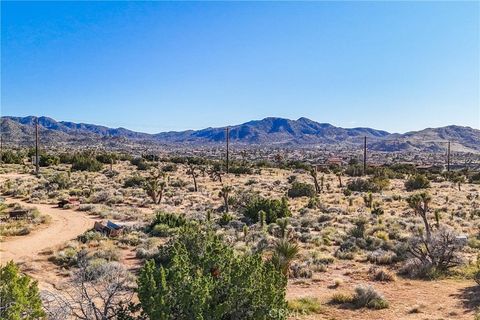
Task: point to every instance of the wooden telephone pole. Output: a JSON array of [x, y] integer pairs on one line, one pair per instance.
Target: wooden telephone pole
[[37, 169], [448, 157], [364, 155], [228, 146]]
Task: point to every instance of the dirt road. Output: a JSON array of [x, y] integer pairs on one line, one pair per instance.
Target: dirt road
[[64, 225], [27, 250]]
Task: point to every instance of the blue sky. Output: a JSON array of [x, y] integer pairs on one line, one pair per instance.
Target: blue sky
[[160, 66]]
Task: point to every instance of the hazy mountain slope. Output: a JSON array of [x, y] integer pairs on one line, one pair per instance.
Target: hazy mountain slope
[[268, 131]]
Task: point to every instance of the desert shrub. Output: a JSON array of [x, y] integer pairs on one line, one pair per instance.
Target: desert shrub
[[341, 298], [366, 296], [66, 257], [240, 169], [61, 180], [300, 189], [434, 255], [171, 167], [108, 251], [382, 275], [107, 158], [135, 181], [273, 208], [416, 182], [82, 162], [305, 306], [201, 277], [474, 178], [140, 163], [90, 235], [171, 220], [12, 157], [374, 184], [48, 160], [19, 295], [382, 257]]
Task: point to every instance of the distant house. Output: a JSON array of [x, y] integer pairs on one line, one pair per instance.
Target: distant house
[[332, 161]]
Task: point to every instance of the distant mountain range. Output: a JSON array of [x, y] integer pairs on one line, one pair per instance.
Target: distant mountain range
[[266, 132]]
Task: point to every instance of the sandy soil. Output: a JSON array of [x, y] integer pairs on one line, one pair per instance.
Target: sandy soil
[[409, 299]]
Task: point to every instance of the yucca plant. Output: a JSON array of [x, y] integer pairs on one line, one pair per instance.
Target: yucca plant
[[285, 251]]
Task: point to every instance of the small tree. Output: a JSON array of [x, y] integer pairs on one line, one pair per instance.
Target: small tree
[[420, 204], [19, 296], [313, 174], [155, 185], [201, 277], [191, 171], [224, 192]]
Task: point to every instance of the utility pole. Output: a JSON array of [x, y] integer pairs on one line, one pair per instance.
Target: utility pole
[[364, 155], [448, 157], [228, 146], [36, 147]]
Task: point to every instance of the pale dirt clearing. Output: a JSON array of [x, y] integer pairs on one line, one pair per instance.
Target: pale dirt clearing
[[408, 299]]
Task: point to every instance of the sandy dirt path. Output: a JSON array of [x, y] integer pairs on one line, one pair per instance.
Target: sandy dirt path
[[65, 225]]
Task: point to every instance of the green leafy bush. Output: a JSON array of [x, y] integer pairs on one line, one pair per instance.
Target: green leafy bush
[[19, 296], [201, 277], [47, 160], [12, 157], [374, 184], [273, 208], [300, 189], [416, 182], [85, 163], [135, 181]]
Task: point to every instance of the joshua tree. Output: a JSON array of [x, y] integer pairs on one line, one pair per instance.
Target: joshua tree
[[155, 186], [368, 199], [419, 203], [313, 173], [224, 192], [191, 171], [216, 173], [283, 225], [285, 251]]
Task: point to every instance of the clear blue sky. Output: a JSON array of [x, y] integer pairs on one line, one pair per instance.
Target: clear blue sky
[[159, 66]]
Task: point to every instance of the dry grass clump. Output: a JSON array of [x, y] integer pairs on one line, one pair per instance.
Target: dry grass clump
[[22, 225], [305, 306]]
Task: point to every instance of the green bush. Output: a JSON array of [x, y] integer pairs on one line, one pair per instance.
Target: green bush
[[107, 158], [172, 220], [12, 157], [47, 160], [134, 181], [374, 184], [201, 277], [273, 208], [299, 189], [140, 163], [85, 163], [416, 182], [19, 296]]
